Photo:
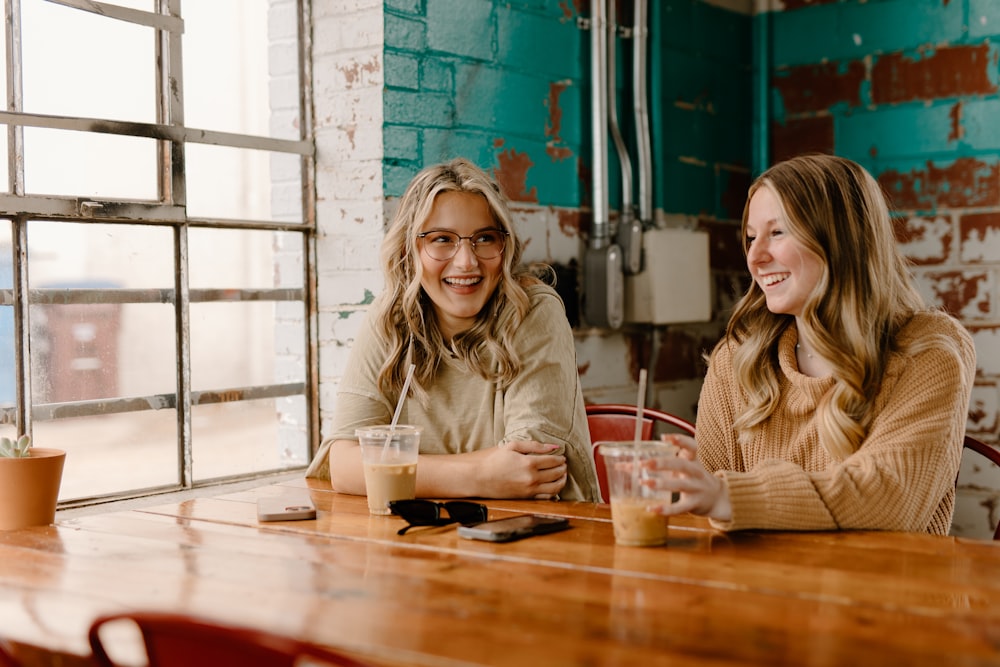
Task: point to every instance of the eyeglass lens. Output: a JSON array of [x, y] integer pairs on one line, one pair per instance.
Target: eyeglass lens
[[441, 245], [428, 512]]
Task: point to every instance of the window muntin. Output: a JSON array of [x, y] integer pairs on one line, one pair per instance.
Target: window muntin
[[130, 214]]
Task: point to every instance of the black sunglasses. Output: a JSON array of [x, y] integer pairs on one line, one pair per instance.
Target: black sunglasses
[[428, 513]]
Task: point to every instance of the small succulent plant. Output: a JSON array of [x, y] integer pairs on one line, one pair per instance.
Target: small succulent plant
[[15, 449]]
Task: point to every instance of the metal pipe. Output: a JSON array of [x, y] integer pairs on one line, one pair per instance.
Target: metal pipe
[[640, 99], [624, 159], [599, 232]]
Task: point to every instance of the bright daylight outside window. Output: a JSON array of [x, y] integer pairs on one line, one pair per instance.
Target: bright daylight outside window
[[155, 241]]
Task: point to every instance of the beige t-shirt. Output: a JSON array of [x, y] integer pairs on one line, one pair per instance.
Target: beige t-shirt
[[467, 413]]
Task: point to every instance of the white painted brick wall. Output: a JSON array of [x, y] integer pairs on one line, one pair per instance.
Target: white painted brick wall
[[347, 98]]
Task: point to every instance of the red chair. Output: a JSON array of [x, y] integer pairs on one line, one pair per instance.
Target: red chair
[[991, 453], [616, 421], [178, 640], [7, 658]]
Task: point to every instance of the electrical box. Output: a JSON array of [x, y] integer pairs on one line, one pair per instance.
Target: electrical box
[[675, 283]]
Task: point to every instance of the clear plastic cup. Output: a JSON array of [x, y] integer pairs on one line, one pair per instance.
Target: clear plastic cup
[[628, 470], [389, 457]]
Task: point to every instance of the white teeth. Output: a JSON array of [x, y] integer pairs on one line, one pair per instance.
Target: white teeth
[[463, 282], [773, 278]]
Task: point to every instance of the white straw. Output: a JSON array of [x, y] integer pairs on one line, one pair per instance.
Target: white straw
[[399, 408], [640, 404]]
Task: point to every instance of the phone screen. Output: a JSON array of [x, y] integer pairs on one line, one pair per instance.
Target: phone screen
[[514, 528]]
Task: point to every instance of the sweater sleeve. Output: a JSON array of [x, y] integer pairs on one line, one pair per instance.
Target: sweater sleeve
[[901, 477], [545, 401]]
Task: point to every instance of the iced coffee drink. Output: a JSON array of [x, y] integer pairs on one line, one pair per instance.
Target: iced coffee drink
[[389, 458]]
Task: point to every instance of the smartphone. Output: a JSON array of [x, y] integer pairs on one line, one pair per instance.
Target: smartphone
[[285, 509], [514, 528]]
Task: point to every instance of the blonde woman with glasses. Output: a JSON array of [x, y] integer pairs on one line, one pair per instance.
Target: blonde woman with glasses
[[836, 399], [495, 388]]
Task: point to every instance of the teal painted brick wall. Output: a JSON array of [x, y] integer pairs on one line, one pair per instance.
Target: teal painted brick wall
[[911, 89], [700, 108], [507, 84], [498, 82]]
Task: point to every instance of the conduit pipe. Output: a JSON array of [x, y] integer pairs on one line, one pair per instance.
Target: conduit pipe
[[604, 283], [640, 106], [629, 236]]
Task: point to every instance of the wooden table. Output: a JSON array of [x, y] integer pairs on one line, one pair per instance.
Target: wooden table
[[572, 598]]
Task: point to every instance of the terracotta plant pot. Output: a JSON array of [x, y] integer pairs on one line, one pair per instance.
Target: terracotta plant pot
[[29, 488]]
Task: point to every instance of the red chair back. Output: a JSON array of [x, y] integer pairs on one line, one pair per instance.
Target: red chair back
[[992, 454], [177, 640], [616, 421]]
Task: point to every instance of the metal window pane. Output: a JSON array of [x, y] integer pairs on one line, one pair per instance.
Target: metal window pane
[[85, 76], [244, 258], [113, 454], [243, 184], [226, 77], [62, 162], [100, 348], [88, 253], [249, 437], [241, 345]]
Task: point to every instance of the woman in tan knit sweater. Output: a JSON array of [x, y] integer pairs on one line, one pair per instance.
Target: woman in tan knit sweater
[[836, 399]]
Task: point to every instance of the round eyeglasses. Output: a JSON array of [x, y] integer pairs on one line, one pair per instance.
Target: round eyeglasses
[[441, 245]]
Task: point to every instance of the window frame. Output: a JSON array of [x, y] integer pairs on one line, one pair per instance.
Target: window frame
[[169, 210]]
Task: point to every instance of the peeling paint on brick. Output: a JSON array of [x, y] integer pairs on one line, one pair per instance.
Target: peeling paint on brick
[[553, 125], [960, 293], [353, 72], [966, 182], [957, 131], [948, 71], [980, 233], [818, 87], [924, 241], [569, 221], [512, 175]]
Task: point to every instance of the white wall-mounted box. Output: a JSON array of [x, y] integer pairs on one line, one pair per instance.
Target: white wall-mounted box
[[675, 283]]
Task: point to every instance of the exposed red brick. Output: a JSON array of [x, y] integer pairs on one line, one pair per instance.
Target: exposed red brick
[[955, 290], [801, 135], [512, 175], [735, 184], [808, 88], [569, 221], [966, 182], [679, 356], [948, 71], [725, 251], [957, 131], [554, 123], [637, 347]]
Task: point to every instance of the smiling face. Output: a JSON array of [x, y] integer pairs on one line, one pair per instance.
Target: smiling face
[[784, 269], [459, 287]]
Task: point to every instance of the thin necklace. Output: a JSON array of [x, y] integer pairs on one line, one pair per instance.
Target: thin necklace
[[798, 346]]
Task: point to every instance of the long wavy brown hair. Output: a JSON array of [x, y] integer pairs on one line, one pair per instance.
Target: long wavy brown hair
[[851, 319], [403, 313]]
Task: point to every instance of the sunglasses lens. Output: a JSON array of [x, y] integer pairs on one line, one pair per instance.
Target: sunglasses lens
[[416, 512], [466, 512]]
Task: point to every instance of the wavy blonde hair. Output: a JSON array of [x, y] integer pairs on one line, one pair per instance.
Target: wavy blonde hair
[[403, 313], [851, 318]]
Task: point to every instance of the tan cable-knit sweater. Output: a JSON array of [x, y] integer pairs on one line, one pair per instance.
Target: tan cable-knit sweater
[[901, 478]]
